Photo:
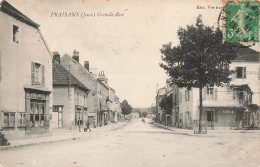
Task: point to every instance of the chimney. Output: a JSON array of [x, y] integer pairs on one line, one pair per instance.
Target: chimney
[[86, 65], [75, 55], [56, 57]]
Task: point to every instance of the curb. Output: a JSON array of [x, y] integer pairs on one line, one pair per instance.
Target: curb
[[176, 132], [4, 148]]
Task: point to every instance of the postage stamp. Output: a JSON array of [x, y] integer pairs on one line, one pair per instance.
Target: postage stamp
[[242, 21]]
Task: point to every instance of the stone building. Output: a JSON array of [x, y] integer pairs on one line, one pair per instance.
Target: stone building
[[223, 107], [69, 99], [84, 76], [103, 99], [25, 75]]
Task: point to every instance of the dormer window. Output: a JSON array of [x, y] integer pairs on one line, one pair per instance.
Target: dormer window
[[15, 34]]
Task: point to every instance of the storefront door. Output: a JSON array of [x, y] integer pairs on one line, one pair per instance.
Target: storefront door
[[210, 119]]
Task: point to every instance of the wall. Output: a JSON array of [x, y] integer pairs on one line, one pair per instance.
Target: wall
[[16, 59], [65, 97], [85, 77], [251, 79]]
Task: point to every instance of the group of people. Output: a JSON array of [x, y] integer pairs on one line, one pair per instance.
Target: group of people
[[87, 125]]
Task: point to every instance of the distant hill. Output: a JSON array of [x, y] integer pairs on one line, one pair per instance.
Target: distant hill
[[147, 110]]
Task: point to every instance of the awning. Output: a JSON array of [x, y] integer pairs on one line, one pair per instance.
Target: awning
[[37, 89]]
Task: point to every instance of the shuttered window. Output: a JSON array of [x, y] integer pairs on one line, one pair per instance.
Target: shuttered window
[[187, 95], [180, 97], [241, 72], [210, 94], [37, 74]]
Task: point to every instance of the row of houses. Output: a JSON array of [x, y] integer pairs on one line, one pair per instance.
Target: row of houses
[[223, 107], [40, 90]]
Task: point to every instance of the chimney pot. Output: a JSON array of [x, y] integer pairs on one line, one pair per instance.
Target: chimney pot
[[56, 57], [75, 55], [86, 65]]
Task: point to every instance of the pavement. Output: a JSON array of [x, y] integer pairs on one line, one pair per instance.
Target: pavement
[[59, 135], [209, 132]]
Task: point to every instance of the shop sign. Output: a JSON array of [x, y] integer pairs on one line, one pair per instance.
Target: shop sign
[[228, 111], [38, 96]]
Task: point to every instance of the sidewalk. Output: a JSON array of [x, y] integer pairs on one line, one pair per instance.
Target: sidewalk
[[58, 136], [209, 132]]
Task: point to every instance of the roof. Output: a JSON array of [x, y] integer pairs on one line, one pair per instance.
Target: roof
[[13, 12], [103, 84], [62, 77], [245, 53]]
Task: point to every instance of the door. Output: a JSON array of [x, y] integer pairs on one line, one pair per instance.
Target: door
[[210, 119]]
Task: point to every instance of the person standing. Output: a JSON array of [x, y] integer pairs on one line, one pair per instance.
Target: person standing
[[87, 128], [79, 123]]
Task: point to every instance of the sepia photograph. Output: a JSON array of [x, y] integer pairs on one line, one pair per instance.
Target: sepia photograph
[[129, 83]]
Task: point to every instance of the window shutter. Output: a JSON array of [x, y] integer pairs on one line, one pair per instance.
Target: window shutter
[[43, 77], [204, 93], [215, 93], [244, 72], [33, 72], [236, 72]]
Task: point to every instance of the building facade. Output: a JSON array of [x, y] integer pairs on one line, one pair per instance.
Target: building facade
[[84, 76], [103, 99], [223, 107], [25, 75], [70, 108]]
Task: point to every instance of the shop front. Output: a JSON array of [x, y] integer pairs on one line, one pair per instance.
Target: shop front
[[223, 118], [37, 114]]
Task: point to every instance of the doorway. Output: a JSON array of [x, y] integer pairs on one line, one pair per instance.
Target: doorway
[[210, 119]]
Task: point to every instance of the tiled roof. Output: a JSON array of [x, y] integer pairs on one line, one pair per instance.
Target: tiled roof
[[13, 12], [246, 54], [62, 77]]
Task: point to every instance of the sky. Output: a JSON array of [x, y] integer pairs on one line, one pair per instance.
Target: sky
[[125, 46]]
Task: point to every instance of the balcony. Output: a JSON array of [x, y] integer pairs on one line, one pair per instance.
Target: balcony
[[225, 99]]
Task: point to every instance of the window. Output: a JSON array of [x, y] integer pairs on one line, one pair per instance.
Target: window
[[37, 113], [180, 96], [212, 94], [187, 95], [241, 72], [15, 34], [22, 120], [38, 77], [9, 119]]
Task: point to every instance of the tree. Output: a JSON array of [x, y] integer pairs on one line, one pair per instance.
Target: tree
[[126, 108], [166, 104], [201, 59]]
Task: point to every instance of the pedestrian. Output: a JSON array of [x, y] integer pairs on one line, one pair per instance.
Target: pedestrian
[[87, 124], [94, 124], [79, 123]]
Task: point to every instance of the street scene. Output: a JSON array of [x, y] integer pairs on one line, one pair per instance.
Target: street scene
[[141, 144], [129, 83]]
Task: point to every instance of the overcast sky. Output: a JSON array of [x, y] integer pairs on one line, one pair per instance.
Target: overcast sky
[[126, 47]]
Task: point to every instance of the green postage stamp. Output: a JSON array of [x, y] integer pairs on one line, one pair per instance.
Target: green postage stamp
[[242, 21]]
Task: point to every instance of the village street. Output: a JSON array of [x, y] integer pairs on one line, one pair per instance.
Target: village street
[[141, 144]]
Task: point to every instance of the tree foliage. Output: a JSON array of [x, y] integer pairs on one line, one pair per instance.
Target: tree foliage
[[200, 59], [126, 108], [166, 104]]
